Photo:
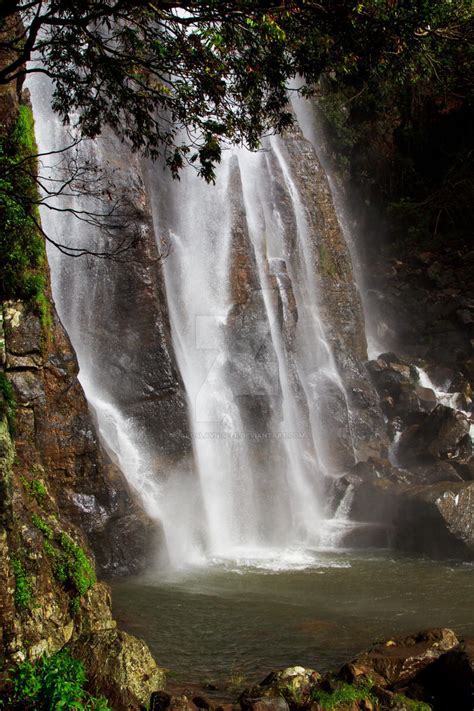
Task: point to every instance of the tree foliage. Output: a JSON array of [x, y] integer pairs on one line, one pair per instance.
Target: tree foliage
[[179, 78], [404, 127]]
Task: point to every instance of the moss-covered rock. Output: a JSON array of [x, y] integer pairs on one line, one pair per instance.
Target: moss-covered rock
[[120, 667]]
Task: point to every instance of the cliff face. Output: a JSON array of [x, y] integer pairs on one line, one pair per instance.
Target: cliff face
[[55, 442], [62, 502], [61, 497]]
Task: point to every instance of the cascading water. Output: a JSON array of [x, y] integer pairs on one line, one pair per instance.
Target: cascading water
[[270, 404]]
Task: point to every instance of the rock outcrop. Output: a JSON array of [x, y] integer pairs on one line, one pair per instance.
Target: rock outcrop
[[423, 496], [56, 443], [62, 498], [429, 670], [339, 305]]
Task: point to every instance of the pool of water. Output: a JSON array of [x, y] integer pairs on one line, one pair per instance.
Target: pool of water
[[238, 619]]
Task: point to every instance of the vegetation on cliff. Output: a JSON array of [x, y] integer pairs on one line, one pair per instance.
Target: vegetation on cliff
[[22, 251]]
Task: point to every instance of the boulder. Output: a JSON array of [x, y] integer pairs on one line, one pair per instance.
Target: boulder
[[434, 472], [202, 702], [387, 379], [120, 667], [159, 701], [181, 703], [449, 682], [442, 377], [402, 397], [437, 520], [375, 488], [289, 687], [396, 662], [266, 703], [444, 434]]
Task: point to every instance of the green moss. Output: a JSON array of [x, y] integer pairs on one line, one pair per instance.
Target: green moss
[[23, 595], [35, 488], [326, 261], [72, 568], [24, 130], [7, 401], [342, 695], [22, 251], [410, 704], [78, 568], [52, 683], [41, 525], [43, 307]]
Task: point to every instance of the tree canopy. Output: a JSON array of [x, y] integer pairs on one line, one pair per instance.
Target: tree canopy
[[179, 78]]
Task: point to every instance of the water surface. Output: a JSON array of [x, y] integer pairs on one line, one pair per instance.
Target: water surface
[[248, 616]]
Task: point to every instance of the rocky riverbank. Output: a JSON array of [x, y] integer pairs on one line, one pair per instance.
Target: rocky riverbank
[[432, 669]]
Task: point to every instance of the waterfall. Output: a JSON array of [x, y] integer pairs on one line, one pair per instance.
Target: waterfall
[[226, 377]]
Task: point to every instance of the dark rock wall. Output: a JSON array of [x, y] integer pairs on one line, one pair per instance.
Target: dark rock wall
[[55, 441], [56, 482], [124, 341], [340, 304]]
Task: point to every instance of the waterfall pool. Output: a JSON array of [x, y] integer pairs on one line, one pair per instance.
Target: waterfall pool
[[233, 621]]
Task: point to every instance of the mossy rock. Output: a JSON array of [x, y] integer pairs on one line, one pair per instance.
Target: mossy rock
[[120, 667]]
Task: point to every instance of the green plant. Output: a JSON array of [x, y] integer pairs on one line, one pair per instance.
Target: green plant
[[52, 683], [22, 251], [78, 567], [35, 488], [410, 704], [236, 680], [72, 568], [23, 595], [7, 401], [342, 695], [41, 525]]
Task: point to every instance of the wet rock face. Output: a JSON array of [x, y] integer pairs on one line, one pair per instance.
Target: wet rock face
[[56, 439], [119, 326], [437, 520], [339, 302], [443, 434], [398, 661]]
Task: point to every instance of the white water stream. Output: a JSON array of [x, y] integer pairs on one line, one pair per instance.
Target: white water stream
[[250, 345]]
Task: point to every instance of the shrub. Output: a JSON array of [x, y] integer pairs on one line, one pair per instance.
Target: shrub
[[52, 683]]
